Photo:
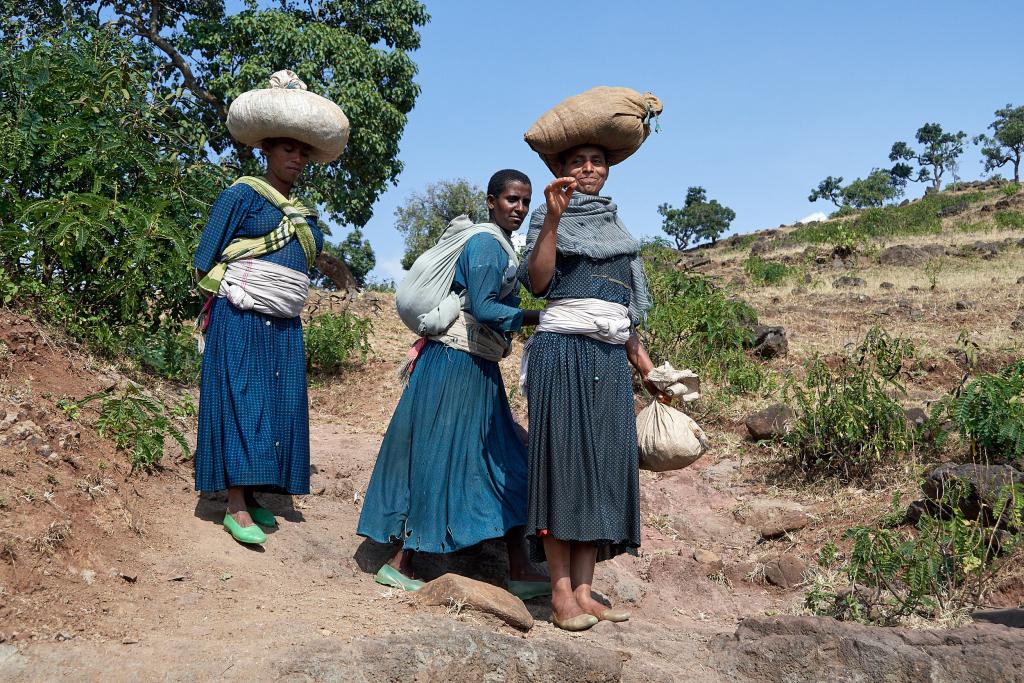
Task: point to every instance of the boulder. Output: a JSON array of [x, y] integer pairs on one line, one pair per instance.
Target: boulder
[[1020, 280], [760, 246], [963, 305], [954, 209], [772, 518], [787, 571], [1018, 323], [886, 285], [452, 590], [933, 250], [984, 484], [770, 341], [917, 417], [709, 561], [848, 281], [804, 649], [771, 423], [901, 255]]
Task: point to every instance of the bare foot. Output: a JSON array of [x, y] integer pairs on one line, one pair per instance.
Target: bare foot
[[242, 517], [565, 608], [587, 603]]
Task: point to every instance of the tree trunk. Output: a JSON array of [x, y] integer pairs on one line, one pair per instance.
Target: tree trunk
[[335, 269]]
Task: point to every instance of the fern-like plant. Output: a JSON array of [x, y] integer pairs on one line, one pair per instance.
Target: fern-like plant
[[990, 414]]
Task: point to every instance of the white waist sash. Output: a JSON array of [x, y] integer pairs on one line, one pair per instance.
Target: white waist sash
[[595, 318]]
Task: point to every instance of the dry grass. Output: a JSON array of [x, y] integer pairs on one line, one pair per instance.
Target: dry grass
[[55, 537]]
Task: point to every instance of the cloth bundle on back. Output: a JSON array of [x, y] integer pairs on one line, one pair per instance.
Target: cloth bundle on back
[[428, 306], [617, 119]]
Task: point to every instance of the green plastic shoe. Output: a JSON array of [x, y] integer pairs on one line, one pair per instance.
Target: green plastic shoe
[[389, 576], [252, 535], [527, 590], [262, 516]]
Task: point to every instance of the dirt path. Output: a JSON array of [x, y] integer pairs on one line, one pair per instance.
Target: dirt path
[[181, 601]]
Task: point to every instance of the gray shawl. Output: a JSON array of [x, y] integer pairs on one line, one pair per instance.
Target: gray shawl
[[590, 227]]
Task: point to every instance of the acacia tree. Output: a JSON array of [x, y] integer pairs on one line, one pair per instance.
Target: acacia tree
[[699, 219], [425, 215], [354, 52], [1006, 146], [939, 154], [831, 189]]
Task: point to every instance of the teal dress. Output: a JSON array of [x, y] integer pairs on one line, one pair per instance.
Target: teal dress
[[451, 471], [253, 412]]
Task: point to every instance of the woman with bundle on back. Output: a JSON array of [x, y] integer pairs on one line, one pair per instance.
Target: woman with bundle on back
[[451, 471], [253, 258], [584, 497]]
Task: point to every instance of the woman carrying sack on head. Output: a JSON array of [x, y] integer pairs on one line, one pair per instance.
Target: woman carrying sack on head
[[584, 497], [253, 259], [451, 471]]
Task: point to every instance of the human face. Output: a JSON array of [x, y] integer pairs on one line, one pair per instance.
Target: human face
[[588, 166], [508, 210], [286, 158]]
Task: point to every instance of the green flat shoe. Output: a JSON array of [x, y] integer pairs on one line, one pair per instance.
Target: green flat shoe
[[389, 576], [262, 516], [252, 535], [527, 590]]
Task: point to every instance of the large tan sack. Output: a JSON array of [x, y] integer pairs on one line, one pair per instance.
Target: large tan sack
[[617, 119], [287, 110], [668, 439]]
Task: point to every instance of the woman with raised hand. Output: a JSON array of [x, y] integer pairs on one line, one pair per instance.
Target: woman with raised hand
[[253, 258], [584, 498], [451, 471]]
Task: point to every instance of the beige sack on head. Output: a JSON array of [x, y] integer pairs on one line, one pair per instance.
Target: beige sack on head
[[287, 110], [614, 118], [668, 439]]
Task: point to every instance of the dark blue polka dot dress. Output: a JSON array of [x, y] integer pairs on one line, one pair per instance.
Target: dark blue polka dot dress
[[253, 412], [584, 479]]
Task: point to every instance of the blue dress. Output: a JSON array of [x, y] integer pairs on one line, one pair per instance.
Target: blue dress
[[253, 413], [451, 471], [584, 463]]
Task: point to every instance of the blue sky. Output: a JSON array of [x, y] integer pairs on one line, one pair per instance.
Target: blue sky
[[762, 99]]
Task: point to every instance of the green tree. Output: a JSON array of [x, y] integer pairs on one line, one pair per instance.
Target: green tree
[[98, 219], [698, 220], [425, 215], [1006, 146], [939, 153], [878, 188], [831, 189], [200, 57], [356, 252]]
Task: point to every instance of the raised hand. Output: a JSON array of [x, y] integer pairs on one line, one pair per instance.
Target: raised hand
[[557, 193]]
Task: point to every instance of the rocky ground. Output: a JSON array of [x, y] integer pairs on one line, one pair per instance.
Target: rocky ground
[[113, 576]]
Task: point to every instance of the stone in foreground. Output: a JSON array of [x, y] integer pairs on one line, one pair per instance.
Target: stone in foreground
[[453, 590]]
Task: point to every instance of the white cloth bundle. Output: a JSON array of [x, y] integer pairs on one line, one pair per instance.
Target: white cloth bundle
[[595, 318], [265, 287]]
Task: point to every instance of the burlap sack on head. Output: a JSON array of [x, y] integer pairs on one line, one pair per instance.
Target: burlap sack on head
[[617, 119], [288, 110], [668, 439]]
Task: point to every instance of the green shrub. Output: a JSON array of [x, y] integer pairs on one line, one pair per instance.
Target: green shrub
[[1010, 220], [332, 339], [696, 324], [137, 423], [1010, 189], [943, 568], [763, 272], [847, 423], [989, 414]]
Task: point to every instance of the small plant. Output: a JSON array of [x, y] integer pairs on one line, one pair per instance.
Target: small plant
[[845, 242], [763, 272], [989, 413], [55, 536], [945, 566], [1010, 189], [137, 423], [1010, 220], [932, 270], [847, 423], [332, 338]]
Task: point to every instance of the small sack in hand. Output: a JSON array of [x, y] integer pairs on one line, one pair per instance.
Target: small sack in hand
[[668, 439]]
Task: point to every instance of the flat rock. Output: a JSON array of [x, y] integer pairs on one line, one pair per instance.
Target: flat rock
[[709, 561], [802, 649], [771, 423], [772, 518], [786, 571], [453, 589], [848, 281], [984, 482]]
